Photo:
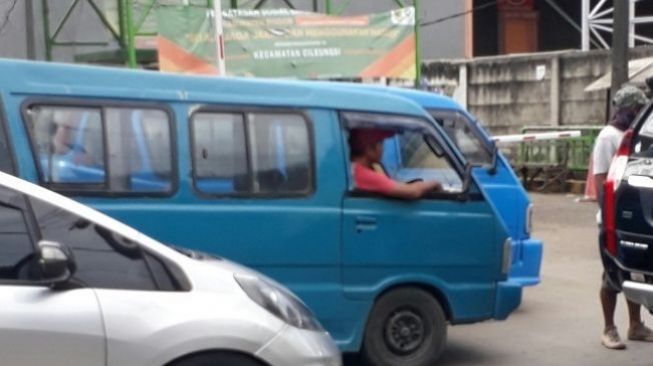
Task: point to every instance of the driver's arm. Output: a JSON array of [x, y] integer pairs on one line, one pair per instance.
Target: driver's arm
[[413, 191]]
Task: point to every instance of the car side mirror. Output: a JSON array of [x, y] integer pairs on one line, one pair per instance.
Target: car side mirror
[[56, 264], [434, 145]]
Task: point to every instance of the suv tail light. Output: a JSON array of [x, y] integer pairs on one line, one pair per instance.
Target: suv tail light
[[620, 160], [615, 175], [609, 217]]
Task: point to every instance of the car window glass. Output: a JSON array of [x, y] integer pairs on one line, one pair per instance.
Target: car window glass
[[417, 160], [251, 153], [16, 247], [470, 144], [164, 280], [219, 153], [139, 144], [104, 259], [280, 153], [68, 143], [643, 140]]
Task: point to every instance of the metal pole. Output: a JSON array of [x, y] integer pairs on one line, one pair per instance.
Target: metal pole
[[418, 51], [131, 35], [585, 15], [631, 24], [46, 29], [219, 39], [620, 45], [30, 39]]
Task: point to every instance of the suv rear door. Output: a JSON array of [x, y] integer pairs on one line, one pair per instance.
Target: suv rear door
[[634, 201]]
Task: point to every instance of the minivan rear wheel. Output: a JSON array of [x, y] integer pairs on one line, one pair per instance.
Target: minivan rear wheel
[[407, 327]]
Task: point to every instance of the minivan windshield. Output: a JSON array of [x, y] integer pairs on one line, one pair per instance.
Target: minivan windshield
[[468, 140]]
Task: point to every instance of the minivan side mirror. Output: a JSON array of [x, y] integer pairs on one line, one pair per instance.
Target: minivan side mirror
[[433, 144], [56, 265]]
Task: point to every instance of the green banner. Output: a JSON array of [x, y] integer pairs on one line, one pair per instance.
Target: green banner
[[287, 43], [186, 40]]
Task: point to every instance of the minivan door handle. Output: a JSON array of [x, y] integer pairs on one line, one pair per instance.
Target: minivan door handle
[[365, 223]]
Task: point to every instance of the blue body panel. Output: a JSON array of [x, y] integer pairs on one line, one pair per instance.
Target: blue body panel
[[503, 189], [310, 244]]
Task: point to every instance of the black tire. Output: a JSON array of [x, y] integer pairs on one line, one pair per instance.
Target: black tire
[[407, 327], [216, 359]]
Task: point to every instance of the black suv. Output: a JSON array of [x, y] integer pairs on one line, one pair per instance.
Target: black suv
[[628, 212]]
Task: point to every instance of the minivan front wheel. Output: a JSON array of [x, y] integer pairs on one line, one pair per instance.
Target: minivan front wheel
[[407, 327]]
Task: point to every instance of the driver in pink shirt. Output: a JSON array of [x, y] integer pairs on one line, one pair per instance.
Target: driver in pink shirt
[[366, 146]]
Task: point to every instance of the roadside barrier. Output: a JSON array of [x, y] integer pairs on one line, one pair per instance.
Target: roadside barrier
[[552, 159]]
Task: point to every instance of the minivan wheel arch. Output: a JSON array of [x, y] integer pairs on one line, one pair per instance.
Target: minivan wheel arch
[[433, 291], [217, 358]]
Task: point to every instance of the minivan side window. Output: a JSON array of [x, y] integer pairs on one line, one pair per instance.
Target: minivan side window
[[102, 149], [69, 144], [219, 153], [16, 247], [251, 154], [104, 258], [139, 146], [410, 152], [464, 137], [415, 159]]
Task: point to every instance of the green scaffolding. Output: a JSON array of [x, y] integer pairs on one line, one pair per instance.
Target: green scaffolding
[[131, 24]]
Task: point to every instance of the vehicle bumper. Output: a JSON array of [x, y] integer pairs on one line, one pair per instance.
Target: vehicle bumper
[[640, 293], [526, 270], [294, 346], [508, 298]]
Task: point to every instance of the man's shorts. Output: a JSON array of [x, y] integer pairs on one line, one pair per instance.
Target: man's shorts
[[608, 284], [609, 280]]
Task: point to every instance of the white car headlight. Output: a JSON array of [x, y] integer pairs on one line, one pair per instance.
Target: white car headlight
[[279, 301]]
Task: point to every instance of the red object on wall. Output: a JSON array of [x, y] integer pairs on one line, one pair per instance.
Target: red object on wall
[[516, 5], [518, 31]]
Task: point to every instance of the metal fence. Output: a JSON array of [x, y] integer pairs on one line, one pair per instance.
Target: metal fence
[[551, 165]]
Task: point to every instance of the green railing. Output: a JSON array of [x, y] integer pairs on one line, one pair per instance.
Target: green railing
[[550, 165]]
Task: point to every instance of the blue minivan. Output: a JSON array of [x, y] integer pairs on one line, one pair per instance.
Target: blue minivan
[[259, 172]]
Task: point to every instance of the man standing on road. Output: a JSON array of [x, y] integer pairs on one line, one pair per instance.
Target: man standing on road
[[627, 101]]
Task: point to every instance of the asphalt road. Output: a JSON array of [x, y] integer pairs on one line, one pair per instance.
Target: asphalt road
[[559, 321]]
